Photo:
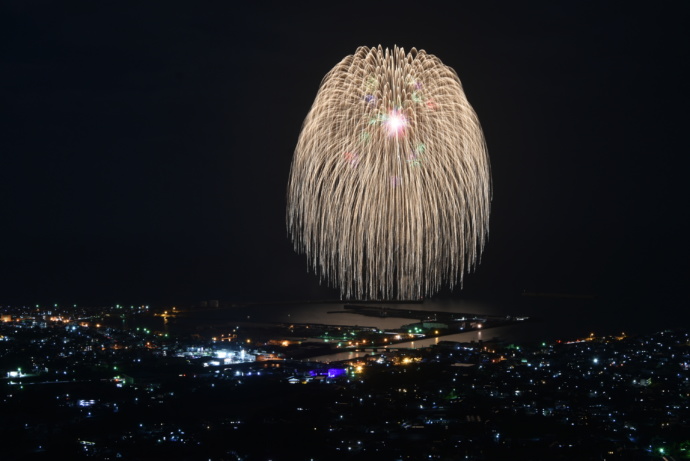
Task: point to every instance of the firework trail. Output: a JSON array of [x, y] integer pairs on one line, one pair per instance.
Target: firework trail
[[390, 186]]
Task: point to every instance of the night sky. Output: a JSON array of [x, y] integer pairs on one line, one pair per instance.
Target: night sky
[[145, 146]]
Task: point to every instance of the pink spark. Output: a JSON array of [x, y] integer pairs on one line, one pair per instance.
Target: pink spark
[[396, 123]]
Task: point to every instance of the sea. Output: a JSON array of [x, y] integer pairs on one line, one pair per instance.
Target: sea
[[550, 317]]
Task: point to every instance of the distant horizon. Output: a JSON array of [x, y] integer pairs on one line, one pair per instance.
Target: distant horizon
[[619, 297], [259, 301]]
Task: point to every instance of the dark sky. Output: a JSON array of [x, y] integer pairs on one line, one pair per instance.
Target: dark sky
[[146, 146]]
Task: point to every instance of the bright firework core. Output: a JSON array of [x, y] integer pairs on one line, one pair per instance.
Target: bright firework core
[[396, 123], [390, 187]]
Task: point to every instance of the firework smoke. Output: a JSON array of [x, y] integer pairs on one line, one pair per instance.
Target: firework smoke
[[390, 186]]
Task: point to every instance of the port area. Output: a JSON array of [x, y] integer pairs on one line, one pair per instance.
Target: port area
[[450, 318], [304, 340], [431, 323]]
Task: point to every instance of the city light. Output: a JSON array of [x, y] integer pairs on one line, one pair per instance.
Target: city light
[[637, 403]]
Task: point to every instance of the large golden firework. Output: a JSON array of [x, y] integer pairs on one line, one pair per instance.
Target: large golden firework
[[390, 186]]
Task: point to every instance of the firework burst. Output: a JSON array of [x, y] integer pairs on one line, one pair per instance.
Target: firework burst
[[390, 187]]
